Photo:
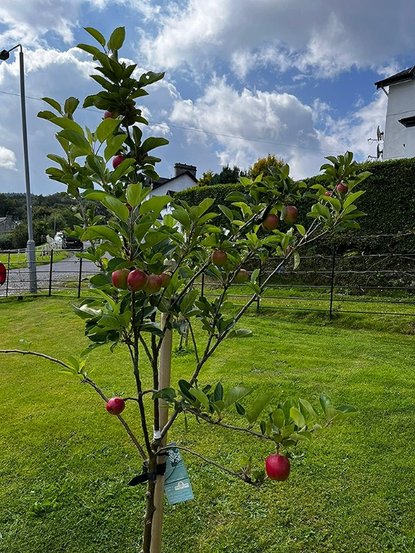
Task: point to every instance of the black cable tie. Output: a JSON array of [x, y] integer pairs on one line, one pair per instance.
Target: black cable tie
[[140, 479], [146, 476], [161, 469]]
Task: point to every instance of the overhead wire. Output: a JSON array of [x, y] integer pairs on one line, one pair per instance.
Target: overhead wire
[[204, 131]]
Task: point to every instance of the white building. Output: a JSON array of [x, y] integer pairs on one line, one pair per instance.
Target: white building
[[399, 138], [184, 177]]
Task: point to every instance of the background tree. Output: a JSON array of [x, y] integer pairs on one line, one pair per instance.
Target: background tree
[[263, 166], [206, 178], [226, 176]]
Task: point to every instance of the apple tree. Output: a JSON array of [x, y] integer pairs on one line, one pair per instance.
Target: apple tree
[[151, 260]]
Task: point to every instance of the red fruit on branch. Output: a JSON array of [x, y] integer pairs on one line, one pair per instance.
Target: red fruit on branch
[[290, 214], [110, 115], [271, 221], [3, 273], [219, 258], [328, 193], [153, 284], [277, 467], [117, 160], [136, 280], [115, 405], [119, 278], [342, 188], [241, 276], [165, 279]]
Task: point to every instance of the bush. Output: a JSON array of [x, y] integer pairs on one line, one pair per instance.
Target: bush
[[6, 241], [389, 203]]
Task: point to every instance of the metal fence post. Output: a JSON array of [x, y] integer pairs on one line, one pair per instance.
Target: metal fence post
[[50, 272], [258, 298], [333, 274], [202, 289], [80, 277]]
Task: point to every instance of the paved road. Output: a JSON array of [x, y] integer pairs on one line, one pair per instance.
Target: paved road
[[64, 274]]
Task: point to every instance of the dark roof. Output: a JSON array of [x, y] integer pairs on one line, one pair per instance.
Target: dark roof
[[162, 180], [405, 75]]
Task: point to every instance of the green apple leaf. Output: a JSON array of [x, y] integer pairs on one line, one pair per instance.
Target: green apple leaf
[[116, 39], [96, 34], [256, 409]]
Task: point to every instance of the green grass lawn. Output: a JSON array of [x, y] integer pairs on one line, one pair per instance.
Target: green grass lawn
[[350, 310], [19, 260], [65, 463]]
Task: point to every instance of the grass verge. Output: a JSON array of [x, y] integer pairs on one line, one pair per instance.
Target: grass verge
[[19, 260]]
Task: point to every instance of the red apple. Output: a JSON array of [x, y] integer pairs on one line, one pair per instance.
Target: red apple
[[219, 258], [290, 214], [165, 279], [119, 278], [117, 160], [328, 193], [110, 115], [271, 221], [136, 280], [342, 188], [3, 273], [153, 284], [241, 276], [115, 405], [277, 467]]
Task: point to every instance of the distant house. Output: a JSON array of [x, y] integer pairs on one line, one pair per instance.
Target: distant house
[[184, 177], [399, 138], [6, 224]]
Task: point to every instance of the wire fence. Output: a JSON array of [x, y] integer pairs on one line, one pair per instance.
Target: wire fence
[[381, 284], [56, 273]]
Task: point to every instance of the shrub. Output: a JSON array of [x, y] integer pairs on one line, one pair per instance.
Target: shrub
[[389, 203]]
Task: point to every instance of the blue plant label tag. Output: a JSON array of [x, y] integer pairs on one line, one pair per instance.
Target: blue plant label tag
[[177, 485]]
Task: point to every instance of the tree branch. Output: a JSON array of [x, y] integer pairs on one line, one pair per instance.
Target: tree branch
[[85, 380], [207, 419], [37, 354], [127, 428], [240, 475], [192, 334], [134, 353]]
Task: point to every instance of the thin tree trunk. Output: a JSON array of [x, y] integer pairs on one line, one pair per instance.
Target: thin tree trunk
[[164, 382]]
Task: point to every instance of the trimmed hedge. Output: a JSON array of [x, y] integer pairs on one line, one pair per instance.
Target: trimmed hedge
[[389, 203]]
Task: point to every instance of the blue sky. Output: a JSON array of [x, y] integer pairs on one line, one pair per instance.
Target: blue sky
[[244, 78]]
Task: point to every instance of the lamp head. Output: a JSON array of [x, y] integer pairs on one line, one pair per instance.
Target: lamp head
[[4, 55]]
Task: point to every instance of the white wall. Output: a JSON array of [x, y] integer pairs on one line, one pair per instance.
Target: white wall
[[181, 183], [177, 185], [399, 141]]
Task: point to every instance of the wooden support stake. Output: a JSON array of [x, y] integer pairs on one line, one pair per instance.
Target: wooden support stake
[[164, 382]]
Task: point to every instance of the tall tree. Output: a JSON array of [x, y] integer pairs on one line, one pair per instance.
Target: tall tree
[[263, 166], [226, 176]]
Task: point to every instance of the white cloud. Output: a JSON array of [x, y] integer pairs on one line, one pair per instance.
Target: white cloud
[[215, 123], [27, 21], [353, 132], [250, 124], [318, 36], [50, 73], [243, 126], [7, 159]]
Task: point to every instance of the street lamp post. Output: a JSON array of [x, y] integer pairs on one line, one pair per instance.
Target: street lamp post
[[31, 253]]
